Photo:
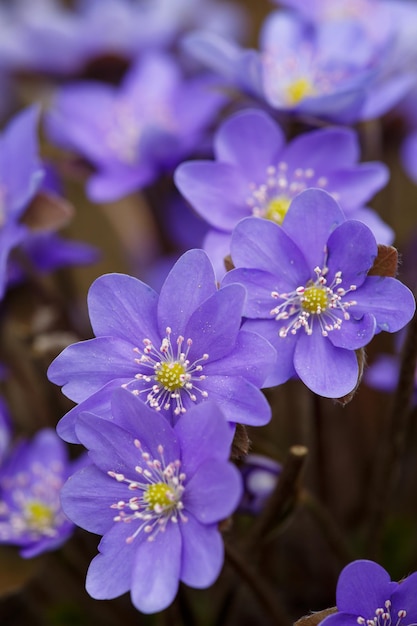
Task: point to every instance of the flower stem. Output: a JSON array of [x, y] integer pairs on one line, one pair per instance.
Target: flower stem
[[282, 499], [266, 597], [393, 442]]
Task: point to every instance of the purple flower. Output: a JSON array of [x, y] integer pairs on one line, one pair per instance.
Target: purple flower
[[260, 475], [5, 430], [156, 493], [366, 595], [30, 482], [257, 173], [173, 351], [95, 28], [309, 293], [331, 71], [132, 132], [20, 178]]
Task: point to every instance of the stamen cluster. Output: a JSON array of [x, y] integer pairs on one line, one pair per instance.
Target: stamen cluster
[[383, 617], [272, 198], [160, 490], [315, 301], [170, 373]]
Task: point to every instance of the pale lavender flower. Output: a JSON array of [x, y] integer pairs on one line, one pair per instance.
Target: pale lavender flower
[[156, 493]]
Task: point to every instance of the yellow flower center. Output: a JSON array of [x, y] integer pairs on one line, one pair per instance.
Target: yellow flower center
[[315, 300], [171, 375], [299, 89], [277, 209], [38, 515], [160, 496]]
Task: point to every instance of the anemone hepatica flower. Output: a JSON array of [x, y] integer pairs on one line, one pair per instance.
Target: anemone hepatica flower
[[30, 482], [95, 28], [172, 351], [334, 72], [130, 133], [20, 176], [257, 173], [309, 293], [365, 595], [260, 475], [156, 493]]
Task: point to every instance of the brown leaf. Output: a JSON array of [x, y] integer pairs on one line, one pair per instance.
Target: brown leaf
[[315, 618], [228, 263], [241, 442], [386, 262], [47, 212]]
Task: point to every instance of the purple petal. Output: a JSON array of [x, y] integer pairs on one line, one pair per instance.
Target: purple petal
[[203, 433], [259, 286], [363, 586], [261, 244], [217, 192], [85, 367], [217, 246], [391, 302], [87, 497], [144, 423], [240, 401], [405, 598], [323, 150], [382, 232], [98, 403], [157, 570], [123, 306], [202, 553], [352, 250], [20, 168], [357, 185], [111, 184], [252, 358], [189, 283], [311, 218], [213, 492], [251, 141], [409, 155], [340, 619], [110, 573], [283, 369], [354, 334], [214, 326], [383, 373], [328, 371]]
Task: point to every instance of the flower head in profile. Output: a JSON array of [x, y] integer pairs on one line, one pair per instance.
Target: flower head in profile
[[173, 351], [366, 596], [156, 493], [31, 479], [335, 72], [257, 173], [309, 292], [131, 133]]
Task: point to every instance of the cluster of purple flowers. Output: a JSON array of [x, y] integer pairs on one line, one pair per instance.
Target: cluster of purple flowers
[[284, 287]]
